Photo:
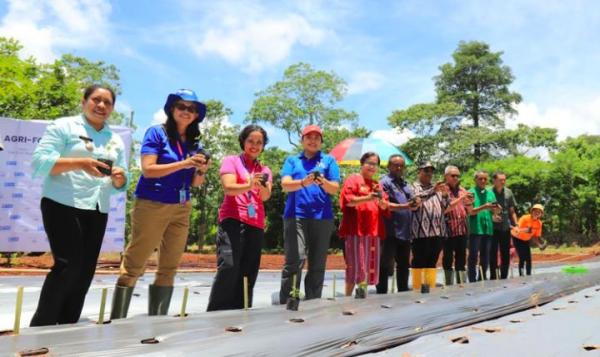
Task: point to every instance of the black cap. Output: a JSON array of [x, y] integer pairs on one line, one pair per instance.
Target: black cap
[[425, 165]]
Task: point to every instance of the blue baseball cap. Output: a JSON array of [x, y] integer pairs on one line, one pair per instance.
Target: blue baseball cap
[[188, 95]]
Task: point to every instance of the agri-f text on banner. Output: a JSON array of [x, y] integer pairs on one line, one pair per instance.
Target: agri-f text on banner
[[21, 227]]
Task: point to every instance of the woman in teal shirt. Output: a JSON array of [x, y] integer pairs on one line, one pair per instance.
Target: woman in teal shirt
[[82, 162]]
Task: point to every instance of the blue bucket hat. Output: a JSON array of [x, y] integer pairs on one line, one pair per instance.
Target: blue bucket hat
[[188, 95]]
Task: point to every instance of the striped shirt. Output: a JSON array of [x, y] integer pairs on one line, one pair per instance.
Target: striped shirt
[[429, 220], [457, 216]]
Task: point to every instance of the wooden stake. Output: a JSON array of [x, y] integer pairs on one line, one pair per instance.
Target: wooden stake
[[245, 293], [102, 306], [334, 279], [186, 292], [18, 308]]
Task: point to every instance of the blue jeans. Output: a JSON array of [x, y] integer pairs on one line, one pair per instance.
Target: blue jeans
[[479, 247]]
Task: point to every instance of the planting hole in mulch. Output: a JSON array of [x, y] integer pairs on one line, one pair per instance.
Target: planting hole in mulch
[[463, 340], [34, 352], [149, 341]]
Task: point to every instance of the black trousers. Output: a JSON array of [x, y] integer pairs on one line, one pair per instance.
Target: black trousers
[[426, 252], [238, 255], [455, 253], [500, 242], [398, 251], [479, 247], [524, 252], [75, 238]]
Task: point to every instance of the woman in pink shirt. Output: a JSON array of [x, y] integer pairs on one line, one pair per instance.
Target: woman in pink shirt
[[247, 184]]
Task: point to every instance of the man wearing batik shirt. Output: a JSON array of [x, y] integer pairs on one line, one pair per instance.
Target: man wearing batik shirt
[[455, 245], [428, 226]]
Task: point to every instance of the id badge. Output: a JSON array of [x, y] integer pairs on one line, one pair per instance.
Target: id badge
[[182, 196], [251, 210]]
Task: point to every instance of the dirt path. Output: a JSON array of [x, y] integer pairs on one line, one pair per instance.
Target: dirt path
[[109, 263]]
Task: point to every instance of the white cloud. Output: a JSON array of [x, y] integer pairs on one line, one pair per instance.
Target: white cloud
[[393, 136], [254, 37], [365, 81], [159, 117], [43, 27], [571, 119]]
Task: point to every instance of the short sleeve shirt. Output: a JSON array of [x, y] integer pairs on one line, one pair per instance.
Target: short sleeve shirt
[[457, 216], [66, 137], [311, 201], [164, 189], [506, 199], [429, 220], [397, 225], [534, 225], [365, 219], [238, 207], [482, 223]]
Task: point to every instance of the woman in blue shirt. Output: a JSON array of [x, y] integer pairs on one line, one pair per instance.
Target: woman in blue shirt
[[75, 201], [172, 162]]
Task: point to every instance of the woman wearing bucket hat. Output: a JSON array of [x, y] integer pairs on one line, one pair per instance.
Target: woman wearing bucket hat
[[528, 229], [76, 200], [172, 161]]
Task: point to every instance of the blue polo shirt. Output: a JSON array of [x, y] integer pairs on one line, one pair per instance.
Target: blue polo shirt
[[164, 189], [399, 191], [311, 201]]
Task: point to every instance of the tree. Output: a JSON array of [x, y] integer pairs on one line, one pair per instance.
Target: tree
[[304, 96], [466, 123], [30, 90]]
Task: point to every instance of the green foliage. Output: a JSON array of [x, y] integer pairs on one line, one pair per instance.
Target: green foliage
[[30, 90], [466, 123], [304, 96]]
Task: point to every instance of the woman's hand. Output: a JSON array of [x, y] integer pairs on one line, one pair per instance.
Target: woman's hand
[[383, 204], [91, 165], [118, 177], [308, 180]]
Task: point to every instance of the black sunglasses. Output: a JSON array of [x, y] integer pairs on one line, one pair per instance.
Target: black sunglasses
[[189, 108]]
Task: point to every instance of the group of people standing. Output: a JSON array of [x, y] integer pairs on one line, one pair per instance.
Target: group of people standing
[[83, 162]]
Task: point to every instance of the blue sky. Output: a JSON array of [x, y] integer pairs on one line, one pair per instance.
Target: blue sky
[[388, 52]]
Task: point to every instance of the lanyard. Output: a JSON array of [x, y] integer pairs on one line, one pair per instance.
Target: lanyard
[[248, 172], [180, 150]]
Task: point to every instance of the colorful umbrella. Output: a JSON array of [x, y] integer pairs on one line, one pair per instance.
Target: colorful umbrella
[[349, 151]]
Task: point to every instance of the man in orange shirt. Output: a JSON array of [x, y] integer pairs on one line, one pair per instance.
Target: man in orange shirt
[[529, 229]]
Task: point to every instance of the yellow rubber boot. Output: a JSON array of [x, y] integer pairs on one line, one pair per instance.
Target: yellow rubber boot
[[417, 278], [430, 277]]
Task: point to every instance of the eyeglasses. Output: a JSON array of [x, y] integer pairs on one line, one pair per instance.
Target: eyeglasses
[[372, 164], [454, 176], [189, 108]]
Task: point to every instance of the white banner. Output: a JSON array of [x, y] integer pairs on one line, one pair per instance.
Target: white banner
[[21, 227]]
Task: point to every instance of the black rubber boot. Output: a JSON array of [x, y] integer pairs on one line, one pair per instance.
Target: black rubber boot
[[120, 302], [159, 298], [461, 277]]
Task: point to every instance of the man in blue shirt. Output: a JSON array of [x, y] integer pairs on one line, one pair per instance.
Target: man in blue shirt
[[396, 245], [309, 178]]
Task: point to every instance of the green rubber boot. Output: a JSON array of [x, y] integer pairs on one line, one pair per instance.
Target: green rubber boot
[[120, 302], [449, 277], [159, 298]]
